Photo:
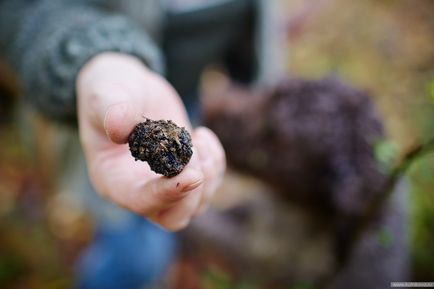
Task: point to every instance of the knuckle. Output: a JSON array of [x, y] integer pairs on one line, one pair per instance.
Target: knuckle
[[202, 130], [171, 194]]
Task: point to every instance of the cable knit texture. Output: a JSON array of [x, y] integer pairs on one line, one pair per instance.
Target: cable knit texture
[[52, 40]]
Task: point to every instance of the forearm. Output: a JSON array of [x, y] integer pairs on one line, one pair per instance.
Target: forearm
[[47, 42]]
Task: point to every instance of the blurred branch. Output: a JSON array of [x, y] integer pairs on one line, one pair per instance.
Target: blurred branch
[[395, 175], [408, 159], [381, 201]]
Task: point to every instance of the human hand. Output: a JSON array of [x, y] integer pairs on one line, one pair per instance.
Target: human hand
[[114, 93]]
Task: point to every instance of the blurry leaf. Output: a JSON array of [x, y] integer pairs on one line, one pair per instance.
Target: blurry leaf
[[11, 268], [59, 283], [304, 285], [422, 213], [215, 278], [431, 90], [386, 153], [385, 237], [246, 285]]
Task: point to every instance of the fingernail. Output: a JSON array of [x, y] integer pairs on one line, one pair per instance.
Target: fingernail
[[114, 113], [192, 186]]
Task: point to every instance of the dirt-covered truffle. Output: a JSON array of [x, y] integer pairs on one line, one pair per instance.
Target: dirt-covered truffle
[[166, 147]]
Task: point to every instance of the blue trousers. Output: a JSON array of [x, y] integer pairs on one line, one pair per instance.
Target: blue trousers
[[134, 255]]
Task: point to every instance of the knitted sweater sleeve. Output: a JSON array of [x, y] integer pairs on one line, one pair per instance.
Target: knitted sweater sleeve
[[46, 42]]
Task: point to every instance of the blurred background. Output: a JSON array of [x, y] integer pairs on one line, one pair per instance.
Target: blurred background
[[386, 47]]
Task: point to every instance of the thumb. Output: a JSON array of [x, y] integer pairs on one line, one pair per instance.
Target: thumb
[[108, 110], [119, 120]]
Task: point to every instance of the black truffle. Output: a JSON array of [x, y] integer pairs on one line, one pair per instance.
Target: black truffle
[[166, 147]]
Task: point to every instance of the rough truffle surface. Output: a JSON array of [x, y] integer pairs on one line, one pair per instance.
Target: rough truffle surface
[[166, 147]]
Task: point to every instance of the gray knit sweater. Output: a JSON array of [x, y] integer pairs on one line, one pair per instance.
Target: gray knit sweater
[[46, 42]]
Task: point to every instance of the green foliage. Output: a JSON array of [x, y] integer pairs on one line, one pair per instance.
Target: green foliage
[[216, 278], [12, 267], [391, 55], [385, 237], [386, 153], [431, 90], [304, 285], [422, 221]]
